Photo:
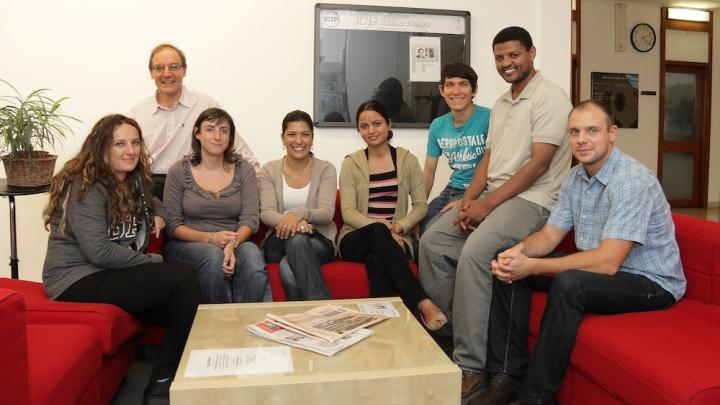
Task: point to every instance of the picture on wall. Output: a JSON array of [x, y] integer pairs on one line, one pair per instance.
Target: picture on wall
[[390, 54], [620, 93]]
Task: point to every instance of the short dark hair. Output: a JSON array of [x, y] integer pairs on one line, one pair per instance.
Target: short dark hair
[[212, 114], [378, 107], [460, 70], [514, 34], [583, 105], [297, 115], [160, 47]]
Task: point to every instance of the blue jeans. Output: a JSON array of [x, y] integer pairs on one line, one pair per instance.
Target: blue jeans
[[248, 284], [446, 196], [299, 268], [571, 294]]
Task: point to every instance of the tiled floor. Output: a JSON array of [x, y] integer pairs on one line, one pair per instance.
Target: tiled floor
[[712, 214]]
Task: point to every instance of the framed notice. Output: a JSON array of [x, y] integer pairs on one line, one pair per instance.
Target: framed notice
[[390, 54], [620, 93]]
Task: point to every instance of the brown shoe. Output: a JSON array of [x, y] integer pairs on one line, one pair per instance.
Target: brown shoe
[[472, 381], [501, 390]]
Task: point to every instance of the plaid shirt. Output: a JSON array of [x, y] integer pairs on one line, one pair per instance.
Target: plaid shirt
[[623, 201]]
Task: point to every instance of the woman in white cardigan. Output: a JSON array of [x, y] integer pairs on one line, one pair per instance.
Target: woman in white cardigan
[[297, 203]]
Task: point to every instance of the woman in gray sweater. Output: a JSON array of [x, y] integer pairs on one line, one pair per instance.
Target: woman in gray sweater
[[297, 201], [100, 223], [212, 202]]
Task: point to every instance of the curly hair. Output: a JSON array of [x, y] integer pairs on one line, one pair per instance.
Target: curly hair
[[91, 166]]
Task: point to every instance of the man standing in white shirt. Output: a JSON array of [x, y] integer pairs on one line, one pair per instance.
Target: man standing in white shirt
[[167, 117]]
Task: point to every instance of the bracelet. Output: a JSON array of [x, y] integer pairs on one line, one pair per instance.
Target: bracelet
[[211, 236], [233, 243]]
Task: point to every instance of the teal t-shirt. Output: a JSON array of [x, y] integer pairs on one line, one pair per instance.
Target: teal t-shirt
[[463, 146]]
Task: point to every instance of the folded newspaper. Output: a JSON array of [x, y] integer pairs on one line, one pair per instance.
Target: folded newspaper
[[269, 330], [327, 322]]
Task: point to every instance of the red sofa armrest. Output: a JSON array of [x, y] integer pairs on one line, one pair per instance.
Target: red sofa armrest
[[14, 380]]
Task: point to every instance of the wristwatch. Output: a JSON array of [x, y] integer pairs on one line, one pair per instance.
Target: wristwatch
[[234, 244]]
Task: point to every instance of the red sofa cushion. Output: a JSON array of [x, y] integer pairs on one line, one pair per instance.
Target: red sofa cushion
[[14, 388], [345, 280], [114, 326], [656, 357], [63, 361], [699, 243]]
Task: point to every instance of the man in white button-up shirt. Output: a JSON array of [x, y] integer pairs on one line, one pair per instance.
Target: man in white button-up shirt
[[167, 117]]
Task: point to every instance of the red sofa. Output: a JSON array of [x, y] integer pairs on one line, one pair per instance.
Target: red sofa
[[654, 358], [658, 357], [74, 353]]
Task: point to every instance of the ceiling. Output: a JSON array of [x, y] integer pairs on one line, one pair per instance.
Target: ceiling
[[701, 4]]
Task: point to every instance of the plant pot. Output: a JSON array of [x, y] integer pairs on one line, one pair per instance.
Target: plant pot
[[29, 171]]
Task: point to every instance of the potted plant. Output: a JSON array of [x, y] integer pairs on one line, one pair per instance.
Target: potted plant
[[27, 126]]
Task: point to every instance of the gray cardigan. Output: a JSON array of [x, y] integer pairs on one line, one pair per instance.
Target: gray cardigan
[[89, 245], [319, 207]]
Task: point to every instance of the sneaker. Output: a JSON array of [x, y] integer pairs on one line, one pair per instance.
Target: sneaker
[[501, 390], [472, 381]]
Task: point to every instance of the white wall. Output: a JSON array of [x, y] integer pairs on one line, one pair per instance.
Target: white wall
[[96, 53], [598, 55]]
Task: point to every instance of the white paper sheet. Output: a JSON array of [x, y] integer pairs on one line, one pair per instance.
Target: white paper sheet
[[424, 59], [255, 360], [379, 308]]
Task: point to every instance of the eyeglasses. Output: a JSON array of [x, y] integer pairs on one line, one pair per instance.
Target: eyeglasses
[[173, 67]]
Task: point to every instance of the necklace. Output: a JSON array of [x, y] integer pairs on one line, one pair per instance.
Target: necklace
[[293, 176]]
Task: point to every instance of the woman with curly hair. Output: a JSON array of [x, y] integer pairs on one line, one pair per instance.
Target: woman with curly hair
[[100, 222]]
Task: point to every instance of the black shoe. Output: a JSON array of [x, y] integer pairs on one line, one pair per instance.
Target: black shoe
[[157, 392], [501, 390]]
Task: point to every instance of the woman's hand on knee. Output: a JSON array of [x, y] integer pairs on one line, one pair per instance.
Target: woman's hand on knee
[[221, 238], [228, 265], [287, 225]]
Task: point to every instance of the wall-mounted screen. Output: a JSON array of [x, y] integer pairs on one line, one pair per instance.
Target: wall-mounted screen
[[386, 53]]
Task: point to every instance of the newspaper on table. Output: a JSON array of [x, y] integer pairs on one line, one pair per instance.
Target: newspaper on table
[[268, 330], [327, 322]]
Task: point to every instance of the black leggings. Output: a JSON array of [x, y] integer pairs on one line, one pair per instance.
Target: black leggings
[[157, 293], [386, 263]]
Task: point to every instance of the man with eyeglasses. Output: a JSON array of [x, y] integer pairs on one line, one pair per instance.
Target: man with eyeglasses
[[167, 117]]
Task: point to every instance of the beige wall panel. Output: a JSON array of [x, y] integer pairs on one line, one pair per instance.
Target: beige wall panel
[[686, 46]]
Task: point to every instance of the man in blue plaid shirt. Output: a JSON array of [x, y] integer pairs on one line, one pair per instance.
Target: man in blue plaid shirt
[[627, 261]]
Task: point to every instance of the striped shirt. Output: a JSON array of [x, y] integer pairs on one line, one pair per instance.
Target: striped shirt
[[383, 192]]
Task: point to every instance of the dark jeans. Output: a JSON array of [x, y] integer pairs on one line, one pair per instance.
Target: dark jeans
[[571, 294], [158, 185], [386, 263], [446, 196], [157, 293], [300, 257]]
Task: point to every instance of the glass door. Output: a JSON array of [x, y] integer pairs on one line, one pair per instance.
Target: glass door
[[679, 166]]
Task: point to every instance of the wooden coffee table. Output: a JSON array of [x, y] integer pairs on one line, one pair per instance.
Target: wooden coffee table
[[399, 364]]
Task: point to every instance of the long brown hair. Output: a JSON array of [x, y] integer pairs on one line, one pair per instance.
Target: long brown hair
[[91, 166]]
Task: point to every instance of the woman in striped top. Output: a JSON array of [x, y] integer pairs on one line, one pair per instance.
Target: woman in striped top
[[375, 183]]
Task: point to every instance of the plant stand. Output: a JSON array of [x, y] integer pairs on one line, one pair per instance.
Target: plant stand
[[10, 192]]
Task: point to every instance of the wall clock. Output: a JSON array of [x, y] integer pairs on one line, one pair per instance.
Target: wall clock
[[643, 37]]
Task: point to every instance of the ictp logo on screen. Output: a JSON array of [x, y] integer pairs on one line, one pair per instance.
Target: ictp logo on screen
[[331, 19]]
